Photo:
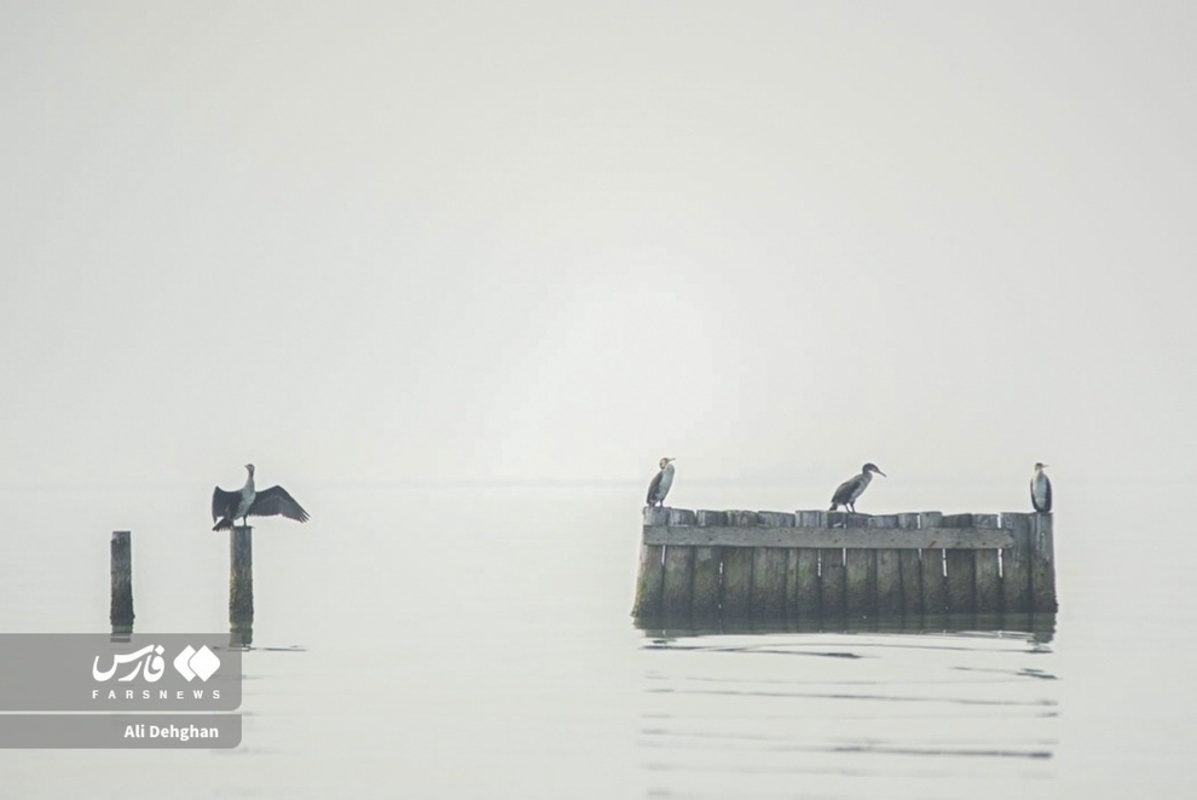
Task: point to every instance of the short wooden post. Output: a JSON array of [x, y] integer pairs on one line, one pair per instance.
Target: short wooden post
[[934, 591], [1043, 564], [737, 571], [705, 591], [650, 581], [679, 571], [120, 609], [911, 567], [860, 576], [769, 571], [989, 587], [807, 570], [241, 581], [961, 568], [1016, 565], [889, 571]]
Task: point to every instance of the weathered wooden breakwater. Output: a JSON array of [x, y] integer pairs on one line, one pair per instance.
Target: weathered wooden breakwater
[[711, 566]]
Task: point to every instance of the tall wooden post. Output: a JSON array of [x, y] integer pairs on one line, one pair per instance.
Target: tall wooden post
[[120, 612], [241, 582]]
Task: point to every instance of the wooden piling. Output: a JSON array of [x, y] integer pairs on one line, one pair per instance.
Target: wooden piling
[[911, 567], [888, 599], [241, 581], [935, 593], [650, 581], [988, 587], [737, 571], [120, 609], [1016, 565], [707, 578], [769, 570], [1043, 560], [961, 569]]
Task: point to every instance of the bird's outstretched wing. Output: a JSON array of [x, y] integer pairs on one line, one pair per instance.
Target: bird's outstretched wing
[[276, 500], [224, 504], [654, 486]]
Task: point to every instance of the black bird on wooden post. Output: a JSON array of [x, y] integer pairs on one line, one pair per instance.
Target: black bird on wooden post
[[851, 489], [661, 483], [1041, 489], [227, 507]]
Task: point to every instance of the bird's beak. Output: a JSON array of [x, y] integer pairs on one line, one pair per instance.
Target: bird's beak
[[882, 474]]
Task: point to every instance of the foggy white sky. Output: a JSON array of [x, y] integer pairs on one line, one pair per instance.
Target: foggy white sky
[[517, 240]]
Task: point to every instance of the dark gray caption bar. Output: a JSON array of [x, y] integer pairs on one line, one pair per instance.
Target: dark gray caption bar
[[121, 731], [139, 672]]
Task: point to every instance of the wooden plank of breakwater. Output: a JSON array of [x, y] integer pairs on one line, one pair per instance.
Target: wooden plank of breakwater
[[824, 538], [679, 570], [769, 570], [1016, 564], [650, 583], [706, 586], [988, 587], [808, 590], [888, 600], [737, 568], [1043, 564], [935, 601], [860, 583], [910, 564], [832, 581], [961, 569]]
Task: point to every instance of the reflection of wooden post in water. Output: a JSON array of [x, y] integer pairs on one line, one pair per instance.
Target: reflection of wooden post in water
[[241, 582], [120, 612]]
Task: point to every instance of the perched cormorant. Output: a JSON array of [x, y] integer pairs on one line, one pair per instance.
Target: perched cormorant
[[227, 507], [851, 489], [1041, 489], [661, 483]]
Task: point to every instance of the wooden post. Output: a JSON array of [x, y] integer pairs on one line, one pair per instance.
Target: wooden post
[[860, 576], [889, 571], [120, 609], [705, 591], [911, 567], [1016, 565], [679, 571], [769, 571], [989, 587], [934, 591], [737, 572], [1043, 564], [650, 581], [241, 581], [961, 567], [807, 571]]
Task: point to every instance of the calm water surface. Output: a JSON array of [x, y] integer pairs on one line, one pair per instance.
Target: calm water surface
[[475, 642]]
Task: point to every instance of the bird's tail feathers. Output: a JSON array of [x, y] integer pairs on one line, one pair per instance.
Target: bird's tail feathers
[[224, 524]]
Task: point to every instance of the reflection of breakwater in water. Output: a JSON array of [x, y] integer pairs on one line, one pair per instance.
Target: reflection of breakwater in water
[[847, 715]]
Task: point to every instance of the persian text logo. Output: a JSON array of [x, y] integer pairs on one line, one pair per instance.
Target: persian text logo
[[190, 663], [149, 656]]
